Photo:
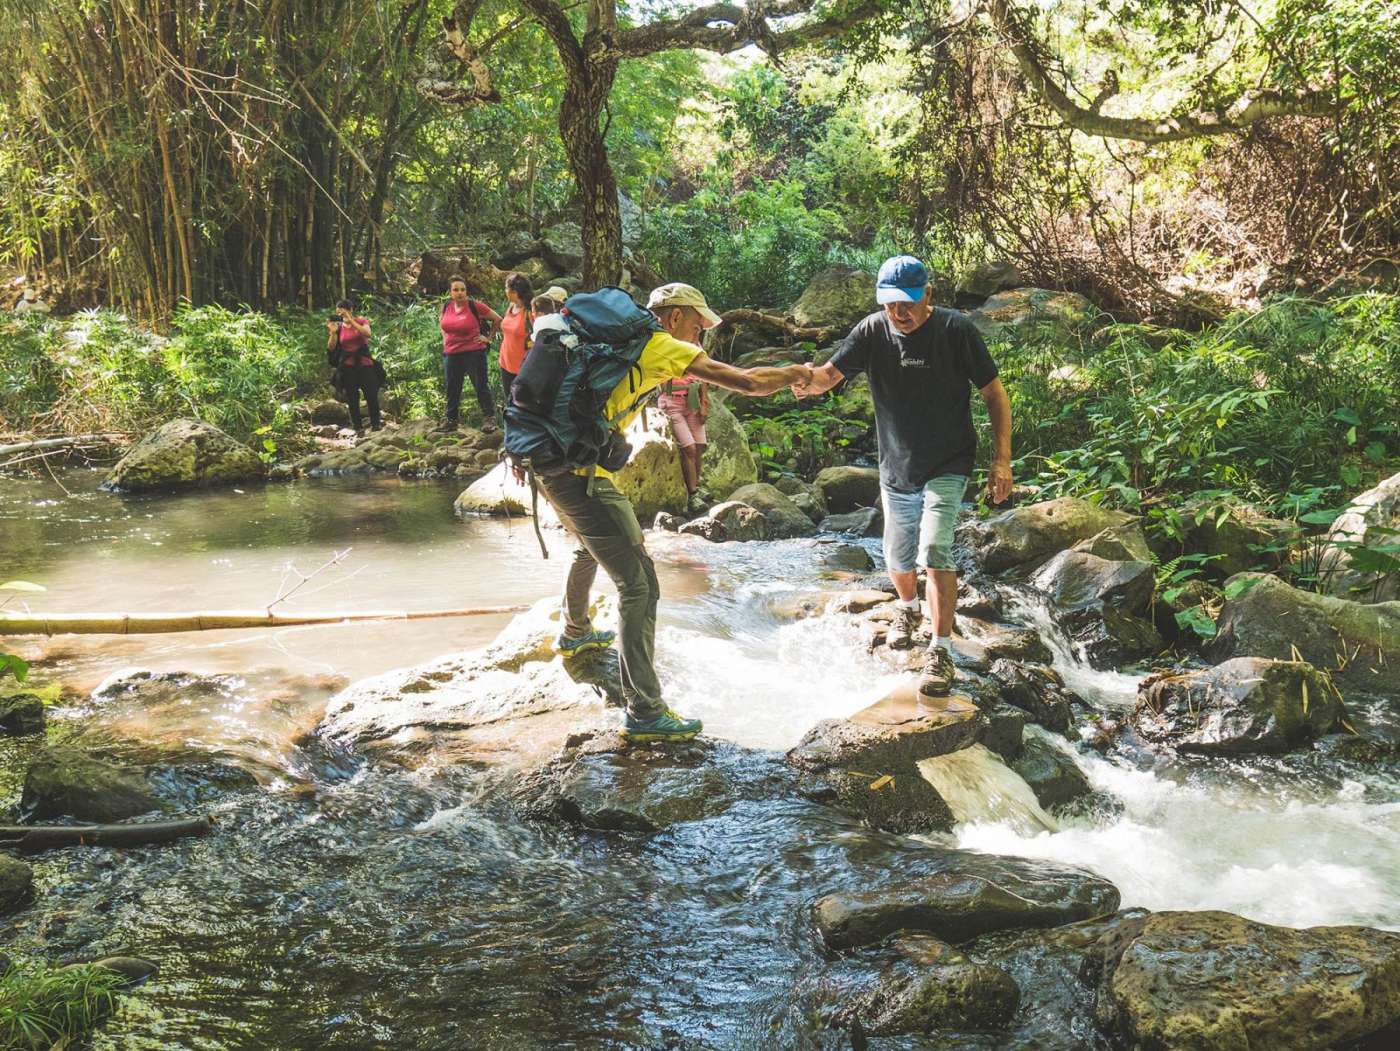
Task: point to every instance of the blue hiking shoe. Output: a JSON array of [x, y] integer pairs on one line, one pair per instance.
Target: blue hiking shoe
[[668, 726], [572, 646]]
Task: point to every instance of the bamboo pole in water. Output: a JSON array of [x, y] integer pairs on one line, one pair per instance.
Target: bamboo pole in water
[[59, 443], [14, 623], [30, 839]]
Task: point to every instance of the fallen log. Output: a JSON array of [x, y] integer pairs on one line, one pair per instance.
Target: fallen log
[[60, 443], [15, 623], [777, 322], [30, 839]]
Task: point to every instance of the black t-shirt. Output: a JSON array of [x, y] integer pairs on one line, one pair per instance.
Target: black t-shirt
[[922, 384]]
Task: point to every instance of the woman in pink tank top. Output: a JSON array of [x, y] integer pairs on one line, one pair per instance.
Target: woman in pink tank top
[[686, 403]]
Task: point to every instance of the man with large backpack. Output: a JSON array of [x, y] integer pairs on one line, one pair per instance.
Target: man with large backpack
[[571, 445]]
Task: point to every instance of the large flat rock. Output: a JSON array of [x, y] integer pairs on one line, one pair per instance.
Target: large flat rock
[[977, 894]]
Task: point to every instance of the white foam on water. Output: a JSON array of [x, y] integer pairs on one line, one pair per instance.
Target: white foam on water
[[766, 687], [1333, 858], [978, 787], [1101, 688]]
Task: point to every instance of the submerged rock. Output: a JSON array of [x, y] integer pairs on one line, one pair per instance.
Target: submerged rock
[[869, 763], [846, 557], [21, 714], [184, 454], [976, 894], [1054, 776], [868, 521], [63, 781], [848, 488], [785, 519], [1036, 531], [1246, 705], [1217, 982], [604, 783], [16, 885], [945, 991], [1359, 643]]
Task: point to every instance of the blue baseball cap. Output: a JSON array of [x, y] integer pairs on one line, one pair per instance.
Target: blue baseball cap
[[902, 279]]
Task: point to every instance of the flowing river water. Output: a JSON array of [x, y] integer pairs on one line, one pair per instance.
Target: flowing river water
[[344, 905]]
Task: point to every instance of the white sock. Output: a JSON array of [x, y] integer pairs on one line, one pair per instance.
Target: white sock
[[913, 603], [945, 641]]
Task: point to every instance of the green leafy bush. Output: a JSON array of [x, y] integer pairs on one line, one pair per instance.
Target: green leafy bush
[[42, 1006]]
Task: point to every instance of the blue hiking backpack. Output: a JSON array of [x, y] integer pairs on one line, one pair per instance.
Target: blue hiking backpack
[[556, 421]]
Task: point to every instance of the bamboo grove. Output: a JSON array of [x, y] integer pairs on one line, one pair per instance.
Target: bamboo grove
[[193, 151]]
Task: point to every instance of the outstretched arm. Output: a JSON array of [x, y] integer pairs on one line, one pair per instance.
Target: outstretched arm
[[759, 382]]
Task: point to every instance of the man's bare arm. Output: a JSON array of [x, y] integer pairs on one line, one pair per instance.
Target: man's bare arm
[[757, 382], [999, 411]]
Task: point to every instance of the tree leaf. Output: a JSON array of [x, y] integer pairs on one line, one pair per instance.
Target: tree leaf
[[21, 585], [15, 666]]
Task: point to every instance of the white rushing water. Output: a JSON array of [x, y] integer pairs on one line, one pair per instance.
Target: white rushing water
[[1241, 835]]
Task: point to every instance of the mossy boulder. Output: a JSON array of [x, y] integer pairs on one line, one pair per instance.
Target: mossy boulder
[[21, 714], [16, 885], [836, 298], [1370, 520], [1031, 533], [848, 488], [1012, 312], [785, 518], [652, 478], [1246, 705], [65, 781], [1269, 618], [184, 454]]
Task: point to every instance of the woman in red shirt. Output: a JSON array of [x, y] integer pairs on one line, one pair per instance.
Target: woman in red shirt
[[349, 336], [515, 330], [464, 352]]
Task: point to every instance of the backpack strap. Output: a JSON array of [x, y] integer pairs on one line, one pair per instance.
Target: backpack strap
[[535, 509]]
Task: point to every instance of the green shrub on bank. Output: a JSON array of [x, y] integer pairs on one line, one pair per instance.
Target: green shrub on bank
[[1297, 396], [242, 371], [41, 1006]]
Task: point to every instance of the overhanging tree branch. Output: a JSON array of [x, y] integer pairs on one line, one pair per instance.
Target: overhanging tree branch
[[728, 27], [1248, 108]]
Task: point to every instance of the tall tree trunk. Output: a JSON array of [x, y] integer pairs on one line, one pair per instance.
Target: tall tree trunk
[[587, 152]]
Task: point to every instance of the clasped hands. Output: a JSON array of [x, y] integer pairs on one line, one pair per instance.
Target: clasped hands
[[803, 380]]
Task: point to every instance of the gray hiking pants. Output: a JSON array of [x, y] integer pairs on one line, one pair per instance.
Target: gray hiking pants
[[609, 536]]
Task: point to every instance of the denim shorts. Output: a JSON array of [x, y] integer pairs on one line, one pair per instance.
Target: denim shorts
[[919, 525]]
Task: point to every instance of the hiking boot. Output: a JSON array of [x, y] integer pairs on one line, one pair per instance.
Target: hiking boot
[[939, 673], [668, 726], [445, 427], [906, 622], [569, 647], [696, 504], [489, 426]]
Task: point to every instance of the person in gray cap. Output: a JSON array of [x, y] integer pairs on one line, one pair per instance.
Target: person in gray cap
[[602, 519], [922, 362]]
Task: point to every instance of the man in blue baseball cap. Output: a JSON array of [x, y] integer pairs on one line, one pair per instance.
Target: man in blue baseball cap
[[922, 362]]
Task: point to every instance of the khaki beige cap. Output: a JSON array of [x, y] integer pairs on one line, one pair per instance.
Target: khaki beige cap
[[677, 294], [558, 293]]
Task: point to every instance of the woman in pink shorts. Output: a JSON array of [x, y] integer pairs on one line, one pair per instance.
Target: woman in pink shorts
[[686, 403]]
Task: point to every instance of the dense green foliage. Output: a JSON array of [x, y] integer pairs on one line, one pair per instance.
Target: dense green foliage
[[1270, 405], [243, 371], [40, 1005]]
